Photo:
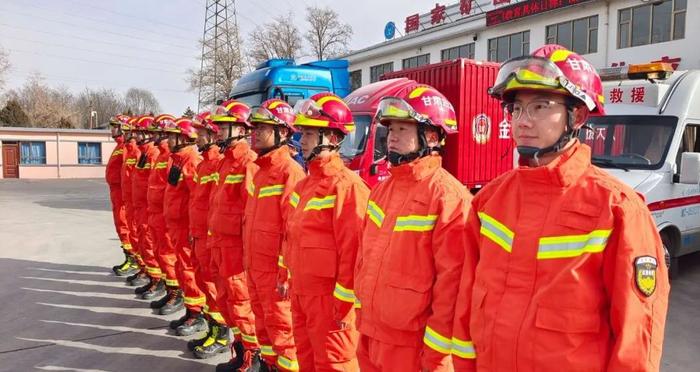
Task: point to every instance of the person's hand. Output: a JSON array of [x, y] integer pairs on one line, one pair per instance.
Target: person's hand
[[283, 290]]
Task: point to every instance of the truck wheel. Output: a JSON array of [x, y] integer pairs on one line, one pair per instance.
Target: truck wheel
[[670, 261]]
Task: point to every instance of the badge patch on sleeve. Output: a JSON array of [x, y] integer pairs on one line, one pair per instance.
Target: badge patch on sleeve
[[645, 274]]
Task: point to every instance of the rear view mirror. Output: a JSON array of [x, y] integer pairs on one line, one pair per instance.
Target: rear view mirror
[[690, 168]]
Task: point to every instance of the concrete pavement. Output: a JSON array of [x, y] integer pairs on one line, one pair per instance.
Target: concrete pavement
[[63, 310]]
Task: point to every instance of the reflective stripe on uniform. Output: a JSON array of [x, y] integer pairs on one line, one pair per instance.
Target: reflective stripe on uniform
[[194, 301], [375, 213], [234, 178], [415, 223], [127, 246], [436, 341], [321, 203], [288, 364], [171, 282], [162, 165], [118, 152], [272, 190], [251, 189], [280, 262], [217, 316], [214, 177], [153, 270], [267, 350], [344, 294], [496, 231], [294, 199], [235, 331], [463, 349], [251, 339], [357, 304], [130, 161], [572, 245]]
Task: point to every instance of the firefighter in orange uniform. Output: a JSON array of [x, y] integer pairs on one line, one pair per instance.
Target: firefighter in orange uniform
[[131, 157], [412, 247], [263, 231], [225, 223], [113, 176], [158, 232], [142, 171], [564, 269], [328, 208], [205, 178], [176, 206]]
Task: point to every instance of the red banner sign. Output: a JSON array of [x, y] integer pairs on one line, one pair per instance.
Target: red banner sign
[[526, 8]]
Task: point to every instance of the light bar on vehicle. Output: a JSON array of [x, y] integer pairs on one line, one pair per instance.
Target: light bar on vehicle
[[647, 71]]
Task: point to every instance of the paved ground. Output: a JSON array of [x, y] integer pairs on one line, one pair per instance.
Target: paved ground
[[62, 310]]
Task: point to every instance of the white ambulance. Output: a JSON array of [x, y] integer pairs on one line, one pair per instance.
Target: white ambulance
[[650, 139]]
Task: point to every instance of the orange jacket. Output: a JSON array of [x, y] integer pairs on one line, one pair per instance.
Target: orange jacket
[[131, 157], [411, 257], [158, 179], [113, 171], [266, 209], [205, 178], [323, 231], [229, 196], [141, 174], [559, 260], [176, 203]]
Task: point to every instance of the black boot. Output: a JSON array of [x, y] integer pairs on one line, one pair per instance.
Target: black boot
[[129, 268], [140, 279], [245, 361], [192, 344], [217, 343], [174, 302], [122, 265], [144, 288], [159, 303], [156, 289], [195, 323]]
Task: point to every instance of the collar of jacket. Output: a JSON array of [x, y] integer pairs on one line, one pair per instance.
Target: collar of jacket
[[275, 158], [119, 140], [238, 152], [562, 171], [185, 152], [131, 145], [328, 166], [212, 152], [417, 169], [164, 147]]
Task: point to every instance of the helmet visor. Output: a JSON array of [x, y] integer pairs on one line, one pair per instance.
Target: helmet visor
[[169, 125], [527, 70], [397, 108], [261, 114], [222, 114]]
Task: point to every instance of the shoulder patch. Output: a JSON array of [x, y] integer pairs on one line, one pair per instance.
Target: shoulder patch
[[645, 274]]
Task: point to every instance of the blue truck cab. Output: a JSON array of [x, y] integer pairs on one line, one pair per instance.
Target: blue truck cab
[[283, 78]]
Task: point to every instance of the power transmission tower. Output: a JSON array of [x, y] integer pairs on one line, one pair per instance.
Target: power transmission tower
[[220, 22]]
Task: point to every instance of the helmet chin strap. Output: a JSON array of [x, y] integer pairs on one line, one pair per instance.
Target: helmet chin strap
[[534, 153], [278, 142], [423, 150], [223, 145], [318, 149]]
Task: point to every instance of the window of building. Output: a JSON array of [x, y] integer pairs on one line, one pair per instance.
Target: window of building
[[355, 79], [509, 46], [462, 51], [89, 153], [416, 61], [376, 71], [579, 35], [32, 153], [651, 23]]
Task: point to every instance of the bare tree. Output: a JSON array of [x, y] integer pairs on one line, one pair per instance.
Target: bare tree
[[277, 39], [328, 36], [141, 101], [4, 66], [45, 106], [105, 103]]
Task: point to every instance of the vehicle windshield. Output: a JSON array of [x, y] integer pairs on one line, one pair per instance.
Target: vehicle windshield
[[251, 100], [355, 142], [629, 141]]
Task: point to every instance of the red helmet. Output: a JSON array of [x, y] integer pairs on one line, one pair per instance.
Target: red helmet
[[162, 121], [324, 110], [183, 126], [203, 120], [274, 112], [143, 123], [420, 103], [552, 68], [231, 112], [119, 120], [130, 124]]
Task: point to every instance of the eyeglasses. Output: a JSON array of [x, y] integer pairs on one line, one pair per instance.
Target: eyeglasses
[[536, 110]]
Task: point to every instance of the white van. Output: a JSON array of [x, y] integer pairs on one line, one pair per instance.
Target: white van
[[650, 139]]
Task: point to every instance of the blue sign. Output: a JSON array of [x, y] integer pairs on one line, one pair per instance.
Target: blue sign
[[389, 30]]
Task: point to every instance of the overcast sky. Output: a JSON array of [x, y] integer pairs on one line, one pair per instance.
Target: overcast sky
[[150, 44]]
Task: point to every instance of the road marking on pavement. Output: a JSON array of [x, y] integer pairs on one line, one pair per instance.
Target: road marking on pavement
[[137, 311], [100, 273], [110, 296], [75, 281]]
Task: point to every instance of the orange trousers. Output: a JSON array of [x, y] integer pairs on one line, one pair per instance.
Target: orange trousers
[[321, 345], [184, 269], [201, 261], [146, 243], [273, 320], [133, 232], [232, 295], [376, 356], [119, 215], [163, 248]]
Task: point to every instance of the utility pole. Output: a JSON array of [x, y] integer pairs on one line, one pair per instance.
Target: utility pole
[[220, 16]]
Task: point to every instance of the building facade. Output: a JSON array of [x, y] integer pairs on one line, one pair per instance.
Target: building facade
[[607, 32], [42, 153]]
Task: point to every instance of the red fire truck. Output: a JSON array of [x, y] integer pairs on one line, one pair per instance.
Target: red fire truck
[[479, 152]]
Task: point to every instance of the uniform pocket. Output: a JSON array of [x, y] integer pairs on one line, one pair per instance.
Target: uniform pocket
[[339, 345], [404, 304], [582, 217], [229, 223], [318, 260], [265, 250]]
